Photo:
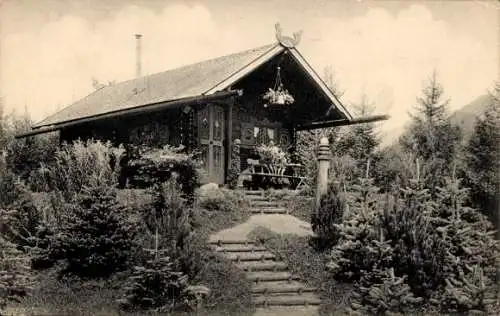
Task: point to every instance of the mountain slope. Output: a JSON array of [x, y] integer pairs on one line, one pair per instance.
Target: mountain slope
[[465, 117]]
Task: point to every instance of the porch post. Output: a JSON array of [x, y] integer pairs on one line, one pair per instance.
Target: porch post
[[323, 166]]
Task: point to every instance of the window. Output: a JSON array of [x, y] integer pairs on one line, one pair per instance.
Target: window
[[264, 135]]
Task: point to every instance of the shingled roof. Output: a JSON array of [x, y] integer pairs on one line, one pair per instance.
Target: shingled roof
[[198, 79]]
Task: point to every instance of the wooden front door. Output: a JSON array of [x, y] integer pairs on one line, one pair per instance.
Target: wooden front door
[[211, 133]]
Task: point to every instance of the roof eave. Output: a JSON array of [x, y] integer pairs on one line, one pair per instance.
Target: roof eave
[[324, 87], [342, 122], [135, 110]]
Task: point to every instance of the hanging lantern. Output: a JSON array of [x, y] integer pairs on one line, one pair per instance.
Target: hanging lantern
[[278, 95]]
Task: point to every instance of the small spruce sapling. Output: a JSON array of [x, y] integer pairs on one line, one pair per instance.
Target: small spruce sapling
[[351, 257], [330, 213], [95, 239], [383, 293], [157, 282], [15, 276], [472, 251]]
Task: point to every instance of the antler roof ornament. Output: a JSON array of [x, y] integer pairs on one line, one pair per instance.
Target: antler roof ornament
[[287, 41]]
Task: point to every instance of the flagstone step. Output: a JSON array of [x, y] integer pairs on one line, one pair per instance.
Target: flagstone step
[[272, 288], [264, 203], [287, 300], [312, 310], [239, 248], [250, 256], [262, 266], [221, 242], [263, 276], [253, 192], [269, 210], [256, 198]]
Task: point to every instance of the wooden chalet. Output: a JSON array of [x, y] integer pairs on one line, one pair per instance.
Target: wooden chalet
[[208, 105]]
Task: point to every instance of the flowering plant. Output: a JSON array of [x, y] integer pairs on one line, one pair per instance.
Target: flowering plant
[[272, 155], [278, 96]]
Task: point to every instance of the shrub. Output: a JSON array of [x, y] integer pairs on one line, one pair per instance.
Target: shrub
[[144, 167], [155, 285], [234, 168], [343, 168], [330, 213], [20, 223], [230, 290], [381, 293], [79, 165], [360, 243], [169, 221], [10, 185], [25, 155], [15, 277], [468, 293], [94, 238], [301, 206], [432, 244], [220, 211], [482, 160]]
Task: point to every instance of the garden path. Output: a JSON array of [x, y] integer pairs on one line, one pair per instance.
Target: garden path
[[275, 290]]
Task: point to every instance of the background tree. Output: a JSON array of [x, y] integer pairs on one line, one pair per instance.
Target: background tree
[[360, 141], [431, 135], [308, 141], [483, 160]]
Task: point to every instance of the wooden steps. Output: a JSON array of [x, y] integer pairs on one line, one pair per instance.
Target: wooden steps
[[275, 290], [273, 286]]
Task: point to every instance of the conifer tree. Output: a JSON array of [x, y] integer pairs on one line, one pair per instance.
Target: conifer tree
[[360, 141], [431, 135], [361, 244], [15, 276], [307, 141], [483, 160], [383, 293], [472, 250], [95, 238], [418, 252]]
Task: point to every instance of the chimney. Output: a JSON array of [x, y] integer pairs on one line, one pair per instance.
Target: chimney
[[138, 55]]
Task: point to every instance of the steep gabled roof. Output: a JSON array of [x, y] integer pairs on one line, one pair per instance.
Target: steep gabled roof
[[184, 82]]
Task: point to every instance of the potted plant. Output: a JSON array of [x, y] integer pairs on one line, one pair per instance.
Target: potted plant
[[279, 96], [275, 160]]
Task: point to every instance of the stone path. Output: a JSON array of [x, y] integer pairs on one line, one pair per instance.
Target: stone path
[[275, 290]]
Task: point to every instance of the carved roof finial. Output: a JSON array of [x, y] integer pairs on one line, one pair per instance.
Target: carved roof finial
[[287, 41]]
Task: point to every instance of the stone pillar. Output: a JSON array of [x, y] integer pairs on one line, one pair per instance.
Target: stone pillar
[[323, 166]]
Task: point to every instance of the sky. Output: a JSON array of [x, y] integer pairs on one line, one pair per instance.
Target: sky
[[51, 49]]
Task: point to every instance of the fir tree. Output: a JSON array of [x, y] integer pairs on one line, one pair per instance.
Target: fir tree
[[330, 213], [472, 250], [95, 239], [15, 276], [361, 246], [361, 140], [383, 293], [307, 142], [418, 251], [431, 135], [154, 284], [483, 160]]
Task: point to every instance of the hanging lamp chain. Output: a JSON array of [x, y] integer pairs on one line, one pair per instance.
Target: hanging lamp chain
[[278, 83]]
